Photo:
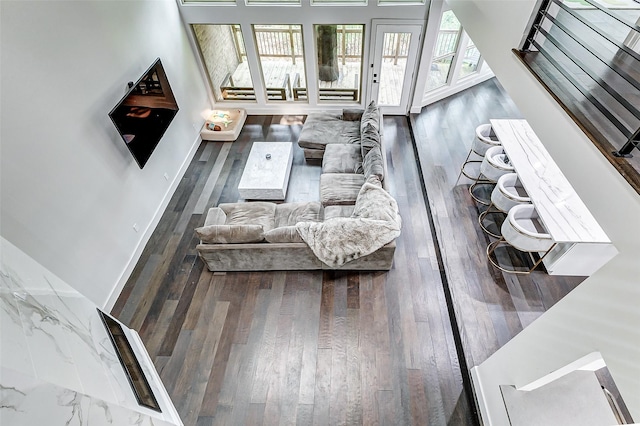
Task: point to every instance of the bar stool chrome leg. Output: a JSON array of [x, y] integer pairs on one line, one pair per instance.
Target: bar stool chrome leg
[[491, 248], [480, 181], [464, 172], [483, 215]]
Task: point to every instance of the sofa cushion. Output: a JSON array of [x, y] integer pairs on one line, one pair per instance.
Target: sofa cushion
[[371, 116], [321, 129], [283, 234], [331, 212], [252, 213], [352, 114], [339, 188], [373, 164], [373, 202], [342, 158], [230, 234], [369, 139], [288, 214]]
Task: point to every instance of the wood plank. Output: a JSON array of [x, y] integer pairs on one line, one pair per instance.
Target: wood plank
[[310, 306], [326, 312], [197, 365], [368, 371], [220, 356], [354, 375], [164, 321], [269, 355], [321, 402], [203, 200]]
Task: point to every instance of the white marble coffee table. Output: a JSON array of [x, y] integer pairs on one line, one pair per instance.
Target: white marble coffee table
[[267, 178]]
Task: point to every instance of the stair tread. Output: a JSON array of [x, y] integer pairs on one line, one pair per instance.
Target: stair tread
[[574, 399]]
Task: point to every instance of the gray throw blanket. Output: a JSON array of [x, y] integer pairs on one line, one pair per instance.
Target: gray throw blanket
[[375, 222]]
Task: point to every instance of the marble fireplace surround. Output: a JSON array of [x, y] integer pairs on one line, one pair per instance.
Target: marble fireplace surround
[[57, 363]]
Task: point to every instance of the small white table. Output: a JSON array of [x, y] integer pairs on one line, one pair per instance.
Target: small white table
[[230, 122], [267, 178], [583, 247]]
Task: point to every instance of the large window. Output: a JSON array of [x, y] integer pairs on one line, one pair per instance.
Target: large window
[[444, 50], [281, 54], [470, 60], [223, 52], [455, 56], [339, 50]]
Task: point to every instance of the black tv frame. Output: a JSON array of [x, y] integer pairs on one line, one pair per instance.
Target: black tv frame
[[145, 112]]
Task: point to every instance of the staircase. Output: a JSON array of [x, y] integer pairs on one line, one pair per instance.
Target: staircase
[[574, 399]]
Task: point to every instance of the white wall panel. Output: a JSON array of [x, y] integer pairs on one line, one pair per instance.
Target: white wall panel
[[71, 192]]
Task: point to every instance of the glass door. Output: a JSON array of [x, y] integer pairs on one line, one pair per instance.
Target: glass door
[[395, 49]]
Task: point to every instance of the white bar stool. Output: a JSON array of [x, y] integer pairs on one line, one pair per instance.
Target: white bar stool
[[495, 164], [508, 193], [485, 139], [524, 231]]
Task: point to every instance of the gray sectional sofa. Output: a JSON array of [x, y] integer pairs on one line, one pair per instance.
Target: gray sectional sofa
[[325, 128], [261, 236], [353, 227], [346, 166]]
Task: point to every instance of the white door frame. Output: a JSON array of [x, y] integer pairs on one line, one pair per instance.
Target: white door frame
[[378, 28]]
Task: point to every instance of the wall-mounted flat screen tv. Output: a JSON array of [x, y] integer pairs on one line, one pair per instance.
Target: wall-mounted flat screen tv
[[145, 112]]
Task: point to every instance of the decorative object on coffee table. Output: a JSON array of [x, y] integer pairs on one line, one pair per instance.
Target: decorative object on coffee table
[[266, 174]]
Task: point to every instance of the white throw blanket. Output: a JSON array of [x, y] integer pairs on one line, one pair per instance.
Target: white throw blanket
[[374, 223]]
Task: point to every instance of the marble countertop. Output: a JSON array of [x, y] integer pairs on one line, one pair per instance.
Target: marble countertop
[[561, 210]]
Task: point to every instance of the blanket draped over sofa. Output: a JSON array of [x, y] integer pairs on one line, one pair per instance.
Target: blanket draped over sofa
[[375, 222]]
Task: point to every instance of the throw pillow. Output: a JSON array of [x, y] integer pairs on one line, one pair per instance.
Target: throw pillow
[[230, 234], [372, 164], [371, 116], [369, 139], [283, 234]]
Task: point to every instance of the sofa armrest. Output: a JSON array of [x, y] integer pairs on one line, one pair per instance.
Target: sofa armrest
[[215, 216]]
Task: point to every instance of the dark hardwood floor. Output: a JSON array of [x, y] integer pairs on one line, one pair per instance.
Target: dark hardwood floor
[[335, 347]]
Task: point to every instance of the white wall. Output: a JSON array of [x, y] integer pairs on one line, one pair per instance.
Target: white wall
[[71, 192], [602, 314]]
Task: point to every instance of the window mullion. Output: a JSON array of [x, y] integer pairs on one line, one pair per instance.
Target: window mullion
[[456, 65]]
